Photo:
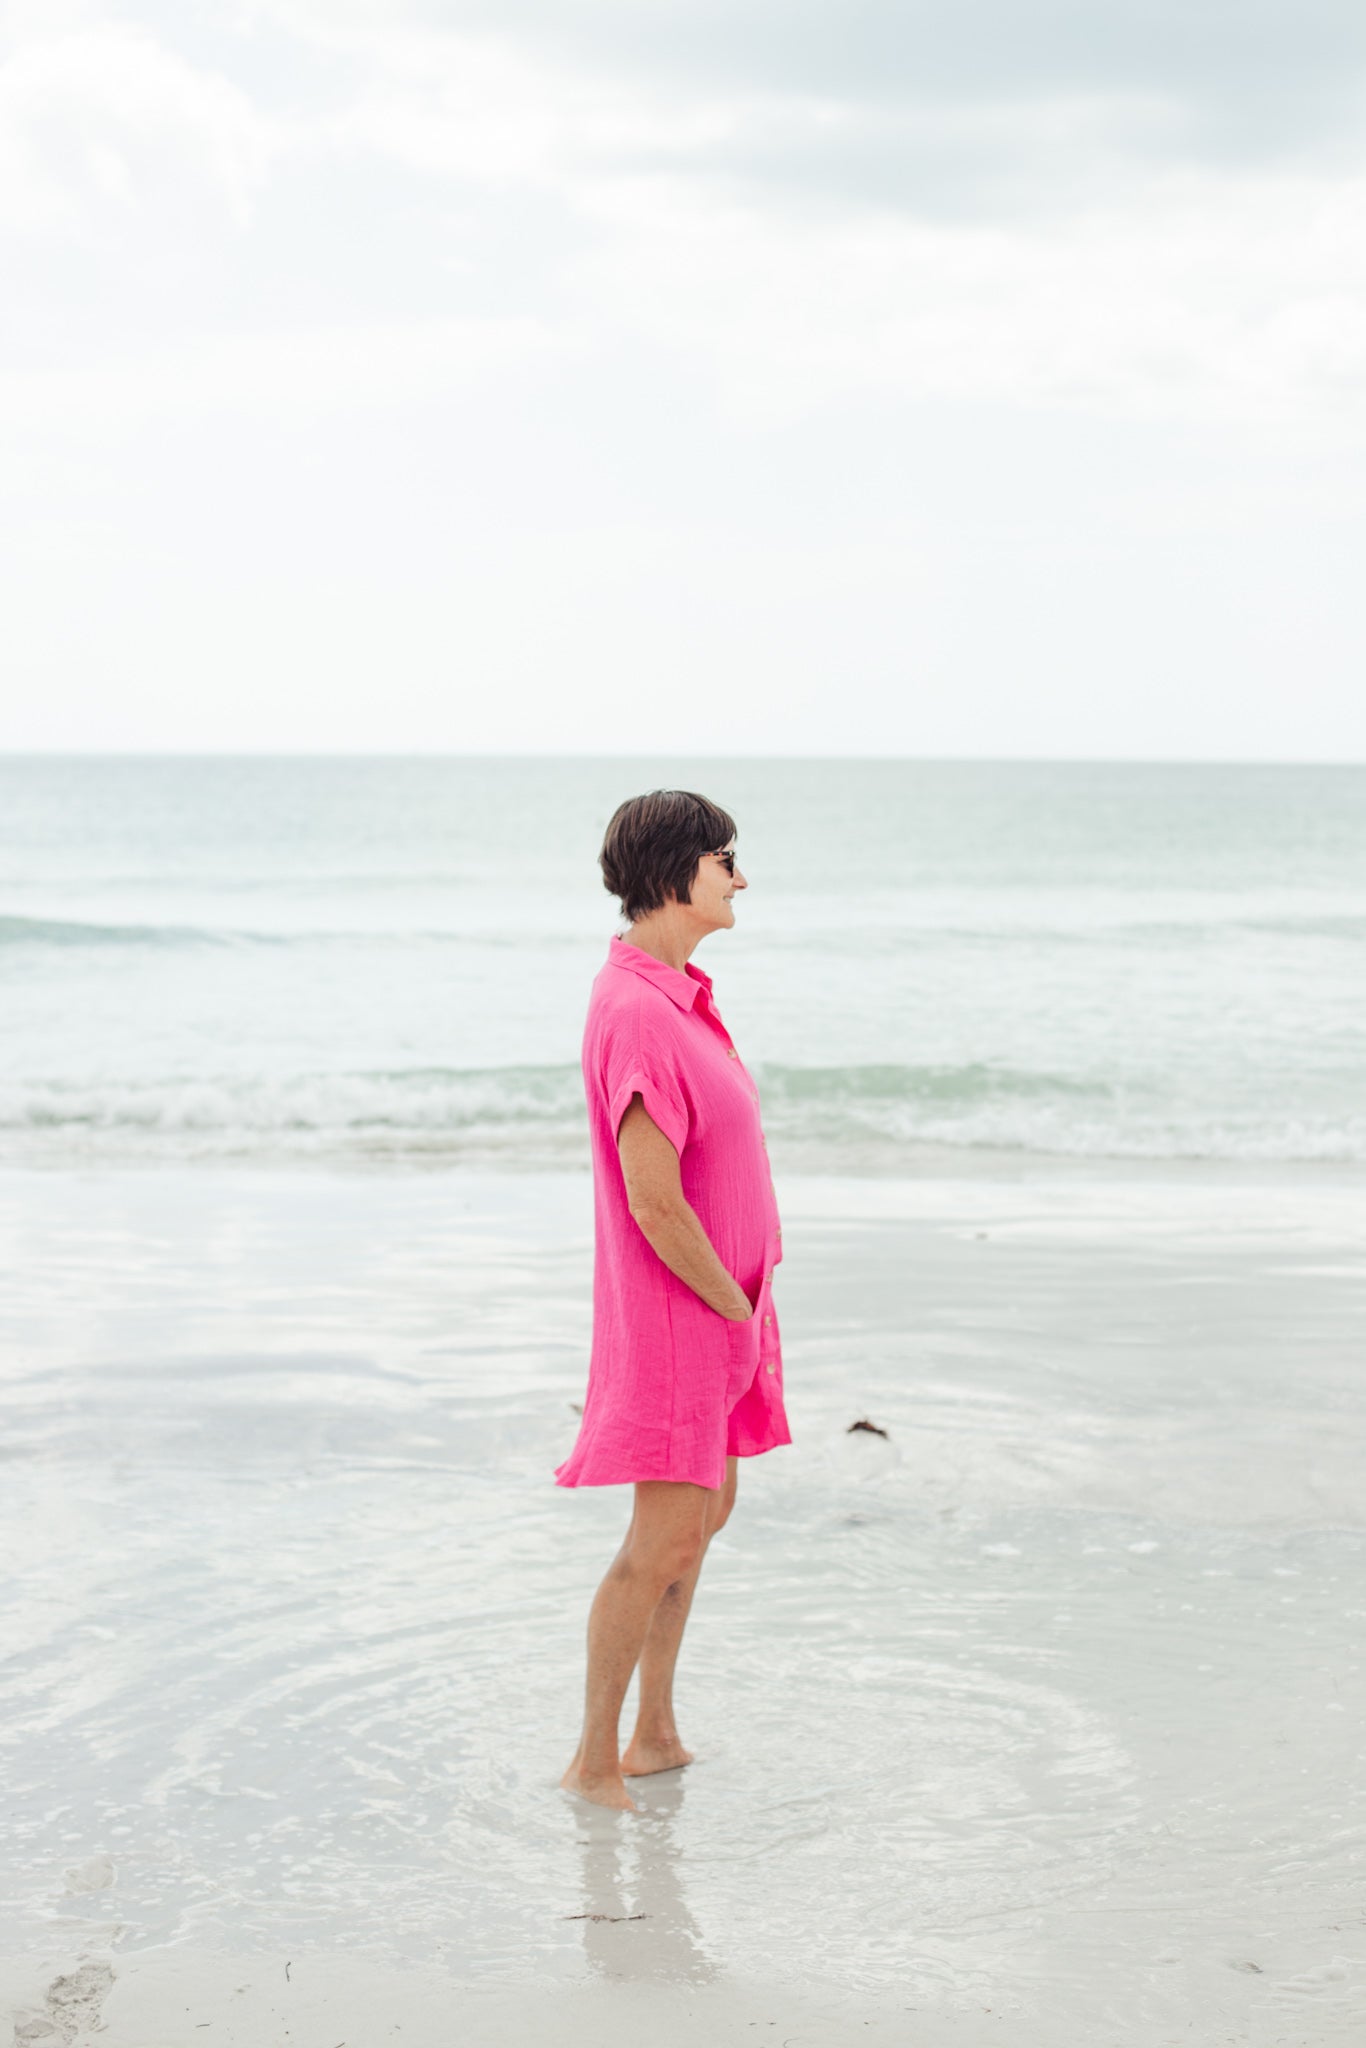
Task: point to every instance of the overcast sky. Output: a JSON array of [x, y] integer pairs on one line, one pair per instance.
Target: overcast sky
[[985, 378]]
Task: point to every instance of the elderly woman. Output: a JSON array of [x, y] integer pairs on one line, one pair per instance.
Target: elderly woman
[[686, 1372]]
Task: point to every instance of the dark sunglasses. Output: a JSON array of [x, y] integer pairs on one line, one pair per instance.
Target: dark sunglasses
[[727, 859]]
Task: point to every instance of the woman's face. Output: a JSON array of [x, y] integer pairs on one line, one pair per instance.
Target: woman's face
[[712, 890]]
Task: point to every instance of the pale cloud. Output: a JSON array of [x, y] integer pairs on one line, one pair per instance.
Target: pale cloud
[[1242, 300], [1244, 80], [102, 122], [292, 377], [473, 107], [1193, 289]]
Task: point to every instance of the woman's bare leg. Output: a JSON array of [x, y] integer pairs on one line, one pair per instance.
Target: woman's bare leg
[[655, 1745], [663, 1546]]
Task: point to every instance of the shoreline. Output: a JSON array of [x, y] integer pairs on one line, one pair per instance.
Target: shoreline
[[924, 1164]]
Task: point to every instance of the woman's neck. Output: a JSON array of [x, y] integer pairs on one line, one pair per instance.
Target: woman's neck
[[664, 936]]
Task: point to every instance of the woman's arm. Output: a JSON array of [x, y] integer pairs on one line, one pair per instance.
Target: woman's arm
[[668, 1222]]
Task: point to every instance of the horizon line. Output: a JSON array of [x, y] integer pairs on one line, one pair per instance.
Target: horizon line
[[681, 754]]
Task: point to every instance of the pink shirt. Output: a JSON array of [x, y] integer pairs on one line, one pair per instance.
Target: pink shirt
[[673, 1387]]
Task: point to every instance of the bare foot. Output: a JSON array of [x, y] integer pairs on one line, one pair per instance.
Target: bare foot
[[643, 1758], [602, 1790]]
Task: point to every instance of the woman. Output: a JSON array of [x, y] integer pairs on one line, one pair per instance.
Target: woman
[[686, 1372]]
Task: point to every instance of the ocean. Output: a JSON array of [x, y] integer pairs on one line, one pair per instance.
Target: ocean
[[342, 961]]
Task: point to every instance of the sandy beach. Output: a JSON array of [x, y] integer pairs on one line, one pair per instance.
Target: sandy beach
[[1037, 1719]]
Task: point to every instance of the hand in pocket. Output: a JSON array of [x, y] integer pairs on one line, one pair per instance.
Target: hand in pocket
[[744, 1349]]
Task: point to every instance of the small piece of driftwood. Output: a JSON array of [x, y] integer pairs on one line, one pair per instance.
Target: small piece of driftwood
[[871, 1428]]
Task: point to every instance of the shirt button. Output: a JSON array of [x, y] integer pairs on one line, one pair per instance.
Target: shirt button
[[768, 1276], [731, 1053], [770, 1368], [768, 1319]]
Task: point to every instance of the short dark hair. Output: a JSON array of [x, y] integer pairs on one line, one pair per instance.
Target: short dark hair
[[653, 844]]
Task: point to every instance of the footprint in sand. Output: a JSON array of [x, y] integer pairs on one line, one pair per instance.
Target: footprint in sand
[[73, 2007], [95, 1875]]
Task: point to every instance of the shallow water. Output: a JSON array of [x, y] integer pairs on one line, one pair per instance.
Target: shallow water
[[1052, 1696]]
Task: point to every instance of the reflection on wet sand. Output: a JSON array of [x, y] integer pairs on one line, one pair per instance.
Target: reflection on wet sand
[[635, 1917]]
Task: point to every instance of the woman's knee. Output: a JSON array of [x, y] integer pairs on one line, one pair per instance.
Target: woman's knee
[[671, 1563], [665, 1556], [668, 1531]]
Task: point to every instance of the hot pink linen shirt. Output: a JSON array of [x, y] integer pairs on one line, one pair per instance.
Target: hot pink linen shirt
[[673, 1387]]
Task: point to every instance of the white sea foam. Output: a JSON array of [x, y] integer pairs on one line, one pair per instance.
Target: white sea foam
[[537, 1115]]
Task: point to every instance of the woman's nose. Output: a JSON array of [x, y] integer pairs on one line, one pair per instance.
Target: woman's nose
[[739, 880]]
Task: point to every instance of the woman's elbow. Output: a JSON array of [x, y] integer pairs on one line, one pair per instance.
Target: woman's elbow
[[651, 1213]]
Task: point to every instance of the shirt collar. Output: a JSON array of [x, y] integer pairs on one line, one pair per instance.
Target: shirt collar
[[679, 988]]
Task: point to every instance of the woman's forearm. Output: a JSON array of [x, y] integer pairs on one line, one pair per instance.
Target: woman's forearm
[[673, 1230]]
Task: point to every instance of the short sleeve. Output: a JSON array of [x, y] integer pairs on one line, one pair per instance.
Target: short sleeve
[[634, 1060]]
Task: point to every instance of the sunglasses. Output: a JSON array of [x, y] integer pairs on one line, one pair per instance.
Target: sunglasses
[[727, 859]]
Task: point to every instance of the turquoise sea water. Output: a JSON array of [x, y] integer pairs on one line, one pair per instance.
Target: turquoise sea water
[[388, 960]]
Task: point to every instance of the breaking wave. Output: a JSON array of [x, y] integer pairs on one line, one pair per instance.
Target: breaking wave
[[534, 1115]]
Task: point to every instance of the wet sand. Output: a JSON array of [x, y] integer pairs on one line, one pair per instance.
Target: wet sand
[[1037, 1719]]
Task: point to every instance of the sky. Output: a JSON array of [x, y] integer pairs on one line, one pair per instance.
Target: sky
[[610, 376]]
